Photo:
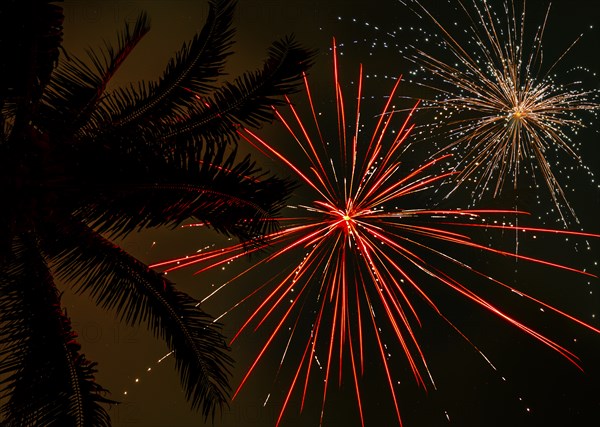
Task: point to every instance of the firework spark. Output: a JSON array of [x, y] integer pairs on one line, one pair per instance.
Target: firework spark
[[361, 260], [511, 112]]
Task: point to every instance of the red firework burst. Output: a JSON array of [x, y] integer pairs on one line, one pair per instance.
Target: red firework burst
[[358, 252]]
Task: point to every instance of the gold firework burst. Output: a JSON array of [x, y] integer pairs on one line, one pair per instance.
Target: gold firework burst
[[511, 113]]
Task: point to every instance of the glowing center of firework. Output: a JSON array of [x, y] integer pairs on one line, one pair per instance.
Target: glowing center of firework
[[347, 220], [348, 214], [519, 113]]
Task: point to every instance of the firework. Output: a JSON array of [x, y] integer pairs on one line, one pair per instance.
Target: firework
[[510, 112], [361, 255]]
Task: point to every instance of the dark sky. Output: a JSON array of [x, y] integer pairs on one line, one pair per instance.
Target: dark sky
[[532, 386]]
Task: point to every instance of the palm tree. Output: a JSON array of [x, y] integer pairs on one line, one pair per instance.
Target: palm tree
[[81, 165]]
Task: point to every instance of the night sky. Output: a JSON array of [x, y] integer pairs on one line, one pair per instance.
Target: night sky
[[532, 386]]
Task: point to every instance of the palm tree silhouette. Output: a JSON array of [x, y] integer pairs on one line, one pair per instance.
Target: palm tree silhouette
[[81, 165]]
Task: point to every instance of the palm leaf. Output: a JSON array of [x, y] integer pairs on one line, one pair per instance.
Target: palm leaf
[[76, 87], [233, 197], [46, 381], [139, 295], [247, 101], [190, 74]]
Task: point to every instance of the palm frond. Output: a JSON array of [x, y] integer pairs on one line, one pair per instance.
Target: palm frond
[[76, 88], [189, 75], [46, 380], [248, 101], [210, 185], [139, 295]]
